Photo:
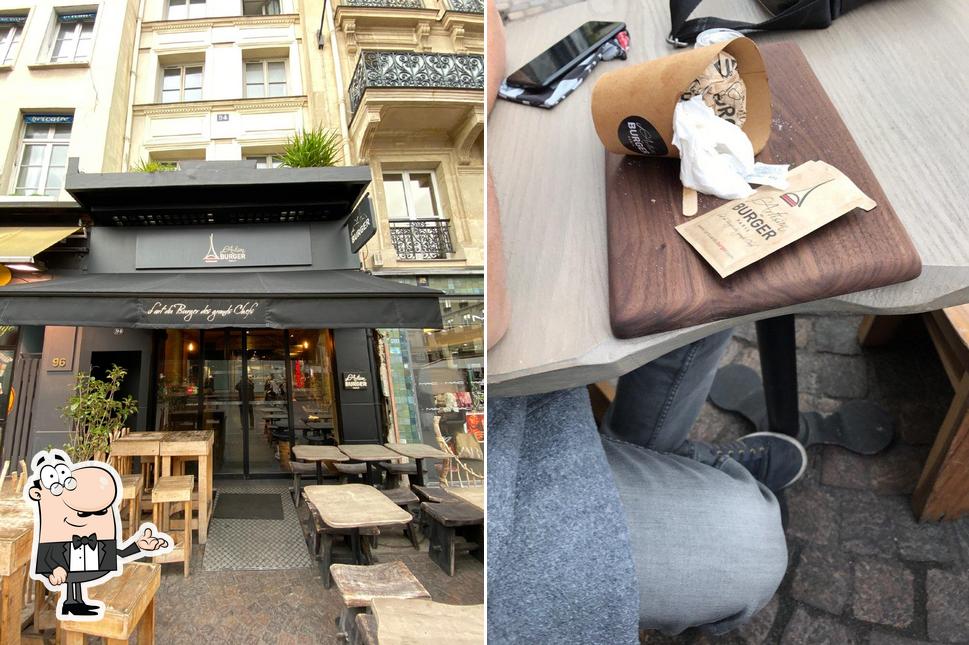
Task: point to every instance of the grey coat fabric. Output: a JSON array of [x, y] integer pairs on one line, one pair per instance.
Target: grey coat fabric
[[560, 568]]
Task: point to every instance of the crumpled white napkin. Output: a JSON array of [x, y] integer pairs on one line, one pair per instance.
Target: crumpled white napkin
[[716, 157]]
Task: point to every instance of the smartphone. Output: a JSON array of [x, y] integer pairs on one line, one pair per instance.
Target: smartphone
[[557, 60]]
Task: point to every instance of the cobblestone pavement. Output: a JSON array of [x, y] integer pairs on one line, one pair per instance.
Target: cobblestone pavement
[[290, 606], [861, 570]]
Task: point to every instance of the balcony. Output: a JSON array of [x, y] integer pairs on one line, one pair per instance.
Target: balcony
[[465, 6], [421, 239], [411, 70], [386, 4]]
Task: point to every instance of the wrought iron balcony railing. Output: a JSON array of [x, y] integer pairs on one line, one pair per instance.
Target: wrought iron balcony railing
[[390, 4], [466, 6], [399, 69], [421, 239]]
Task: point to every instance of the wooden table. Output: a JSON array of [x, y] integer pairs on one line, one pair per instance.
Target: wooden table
[[418, 452], [353, 507], [190, 444], [16, 542], [549, 173], [474, 495], [318, 454], [403, 622], [129, 608], [368, 453]]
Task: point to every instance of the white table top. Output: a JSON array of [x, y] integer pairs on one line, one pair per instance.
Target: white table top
[[417, 450], [318, 453], [548, 167], [474, 495], [355, 506]]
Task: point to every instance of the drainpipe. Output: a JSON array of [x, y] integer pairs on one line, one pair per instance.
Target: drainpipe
[[132, 81], [338, 74]]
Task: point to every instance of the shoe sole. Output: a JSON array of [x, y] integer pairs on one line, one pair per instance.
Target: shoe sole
[[800, 448]]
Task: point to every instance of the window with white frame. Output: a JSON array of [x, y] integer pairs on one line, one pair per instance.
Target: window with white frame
[[266, 161], [11, 28], [185, 9], [181, 83], [411, 195], [43, 154], [265, 78], [261, 7], [73, 37]]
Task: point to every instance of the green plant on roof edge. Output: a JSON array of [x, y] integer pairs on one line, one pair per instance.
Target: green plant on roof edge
[[154, 166], [313, 149]]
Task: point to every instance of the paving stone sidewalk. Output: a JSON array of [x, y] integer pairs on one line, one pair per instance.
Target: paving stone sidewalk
[[285, 607], [861, 570]]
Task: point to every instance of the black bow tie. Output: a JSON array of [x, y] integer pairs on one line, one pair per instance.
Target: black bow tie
[[90, 541]]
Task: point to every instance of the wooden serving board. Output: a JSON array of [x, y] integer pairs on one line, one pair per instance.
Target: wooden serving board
[[658, 282]]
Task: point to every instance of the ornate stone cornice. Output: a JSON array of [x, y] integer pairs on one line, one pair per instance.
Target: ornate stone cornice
[[199, 24], [227, 105]]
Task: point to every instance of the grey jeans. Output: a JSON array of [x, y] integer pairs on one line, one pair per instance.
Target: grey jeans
[[706, 537]]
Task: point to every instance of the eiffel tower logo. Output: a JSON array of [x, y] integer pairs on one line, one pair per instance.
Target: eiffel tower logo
[[797, 199], [211, 257]]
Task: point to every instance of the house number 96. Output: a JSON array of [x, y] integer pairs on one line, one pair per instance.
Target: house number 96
[[58, 362]]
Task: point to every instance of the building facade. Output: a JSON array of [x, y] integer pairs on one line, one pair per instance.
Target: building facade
[[177, 112], [415, 115]]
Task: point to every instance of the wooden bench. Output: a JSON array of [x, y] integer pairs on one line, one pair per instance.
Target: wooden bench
[[452, 523], [359, 585], [323, 537], [348, 471], [366, 630], [408, 501], [129, 603], [943, 488], [175, 489], [394, 471]]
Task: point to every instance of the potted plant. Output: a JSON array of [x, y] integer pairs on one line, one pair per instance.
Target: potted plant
[[96, 415], [312, 149]]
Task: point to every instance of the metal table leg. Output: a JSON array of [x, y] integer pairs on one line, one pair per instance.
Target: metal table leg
[[859, 426]]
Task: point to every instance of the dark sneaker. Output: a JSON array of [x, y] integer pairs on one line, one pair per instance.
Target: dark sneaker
[[776, 460]]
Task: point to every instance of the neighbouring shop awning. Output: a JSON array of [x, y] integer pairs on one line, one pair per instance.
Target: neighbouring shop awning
[[277, 299], [22, 243]]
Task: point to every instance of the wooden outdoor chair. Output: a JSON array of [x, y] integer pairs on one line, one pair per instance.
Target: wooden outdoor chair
[[174, 489], [943, 488], [456, 527], [360, 585]]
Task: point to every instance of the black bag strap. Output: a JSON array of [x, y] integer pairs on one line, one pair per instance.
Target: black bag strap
[[802, 14]]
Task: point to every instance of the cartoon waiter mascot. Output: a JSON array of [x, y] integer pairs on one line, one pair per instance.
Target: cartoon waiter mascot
[[77, 530]]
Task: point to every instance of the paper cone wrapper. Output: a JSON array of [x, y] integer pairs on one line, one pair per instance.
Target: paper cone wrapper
[[633, 107]]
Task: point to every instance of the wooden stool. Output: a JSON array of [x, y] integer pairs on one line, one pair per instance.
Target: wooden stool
[[394, 471], [132, 487], [942, 492], [366, 629], [129, 608], [356, 471], [446, 519], [174, 489], [359, 585], [324, 537], [408, 501]]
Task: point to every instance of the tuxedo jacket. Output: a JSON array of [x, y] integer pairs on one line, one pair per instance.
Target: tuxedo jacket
[[51, 555]]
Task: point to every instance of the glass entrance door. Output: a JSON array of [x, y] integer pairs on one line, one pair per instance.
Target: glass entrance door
[[257, 389]]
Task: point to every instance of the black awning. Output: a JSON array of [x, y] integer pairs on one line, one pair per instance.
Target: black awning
[[217, 192], [278, 299]]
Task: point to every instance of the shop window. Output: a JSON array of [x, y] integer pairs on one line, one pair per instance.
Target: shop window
[[261, 7], [181, 83], [74, 37], [11, 29], [184, 9], [43, 155], [265, 78], [266, 161]]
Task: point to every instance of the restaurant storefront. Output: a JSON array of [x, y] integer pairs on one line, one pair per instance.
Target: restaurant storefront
[[233, 299]]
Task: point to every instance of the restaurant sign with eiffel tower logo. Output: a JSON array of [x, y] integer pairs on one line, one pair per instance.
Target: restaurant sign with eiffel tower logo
[[224, 247]]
